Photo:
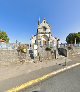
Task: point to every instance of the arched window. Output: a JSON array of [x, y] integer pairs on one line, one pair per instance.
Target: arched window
[[35, 41], [44, 28]]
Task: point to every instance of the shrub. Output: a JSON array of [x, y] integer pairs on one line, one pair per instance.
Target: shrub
[[22, 49], [48, 49], [69, 47]]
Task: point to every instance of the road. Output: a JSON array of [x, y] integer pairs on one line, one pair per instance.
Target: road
[[68, 81], [18, 80]]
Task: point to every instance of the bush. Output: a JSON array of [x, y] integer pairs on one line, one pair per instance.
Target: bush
[[22, 49], [48, 49], [4, 36], [69, 47]]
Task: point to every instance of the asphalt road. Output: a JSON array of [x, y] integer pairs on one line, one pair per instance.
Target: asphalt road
[[18, 80], [68, 81], [21, 79]]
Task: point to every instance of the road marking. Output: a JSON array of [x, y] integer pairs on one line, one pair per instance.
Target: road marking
[[35, 81]]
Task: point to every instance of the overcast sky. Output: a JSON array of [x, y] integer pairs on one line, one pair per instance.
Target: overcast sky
[[19, 17]]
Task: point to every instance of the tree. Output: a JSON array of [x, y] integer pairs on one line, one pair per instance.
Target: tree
[[70, 39], [4, 36]]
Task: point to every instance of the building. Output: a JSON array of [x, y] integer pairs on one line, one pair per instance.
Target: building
[[44, 36]]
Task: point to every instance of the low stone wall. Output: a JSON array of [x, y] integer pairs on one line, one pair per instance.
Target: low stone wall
[[44, 55], [74, 51], [8, 55], [12, 56], [47, 55], [69, 52]]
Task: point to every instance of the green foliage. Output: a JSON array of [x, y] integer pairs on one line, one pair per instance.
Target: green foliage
[[70, 39], [4, 36], [48, 49], [69, 47]]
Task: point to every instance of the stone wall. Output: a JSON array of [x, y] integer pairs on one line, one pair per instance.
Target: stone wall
[[12, 56], [74, 51], [69, 52], [44, 55]]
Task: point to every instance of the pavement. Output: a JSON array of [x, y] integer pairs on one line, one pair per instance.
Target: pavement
[[21, 73], [10, 70]]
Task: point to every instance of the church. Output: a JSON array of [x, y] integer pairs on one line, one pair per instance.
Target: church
[[43, 37]]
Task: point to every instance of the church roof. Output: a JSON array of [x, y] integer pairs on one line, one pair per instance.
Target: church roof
[[44, 23]]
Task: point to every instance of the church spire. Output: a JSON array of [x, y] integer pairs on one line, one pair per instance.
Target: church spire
[[44, 20], [39, 21]]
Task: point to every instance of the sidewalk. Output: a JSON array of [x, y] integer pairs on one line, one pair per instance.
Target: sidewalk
[[13, 70]]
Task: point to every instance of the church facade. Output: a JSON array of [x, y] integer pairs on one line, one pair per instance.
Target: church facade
[[44, 36]]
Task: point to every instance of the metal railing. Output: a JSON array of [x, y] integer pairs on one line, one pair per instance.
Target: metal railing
[[9, 46]]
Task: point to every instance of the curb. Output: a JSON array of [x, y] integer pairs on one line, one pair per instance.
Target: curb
[[35, 81]]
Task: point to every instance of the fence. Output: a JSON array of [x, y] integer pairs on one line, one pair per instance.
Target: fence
[[9, 46], [66, 45]]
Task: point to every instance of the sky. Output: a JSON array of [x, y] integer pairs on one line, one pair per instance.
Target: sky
[[19, 17]]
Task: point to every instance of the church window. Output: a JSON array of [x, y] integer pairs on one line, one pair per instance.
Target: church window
[[44, 28], [35, 41]]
